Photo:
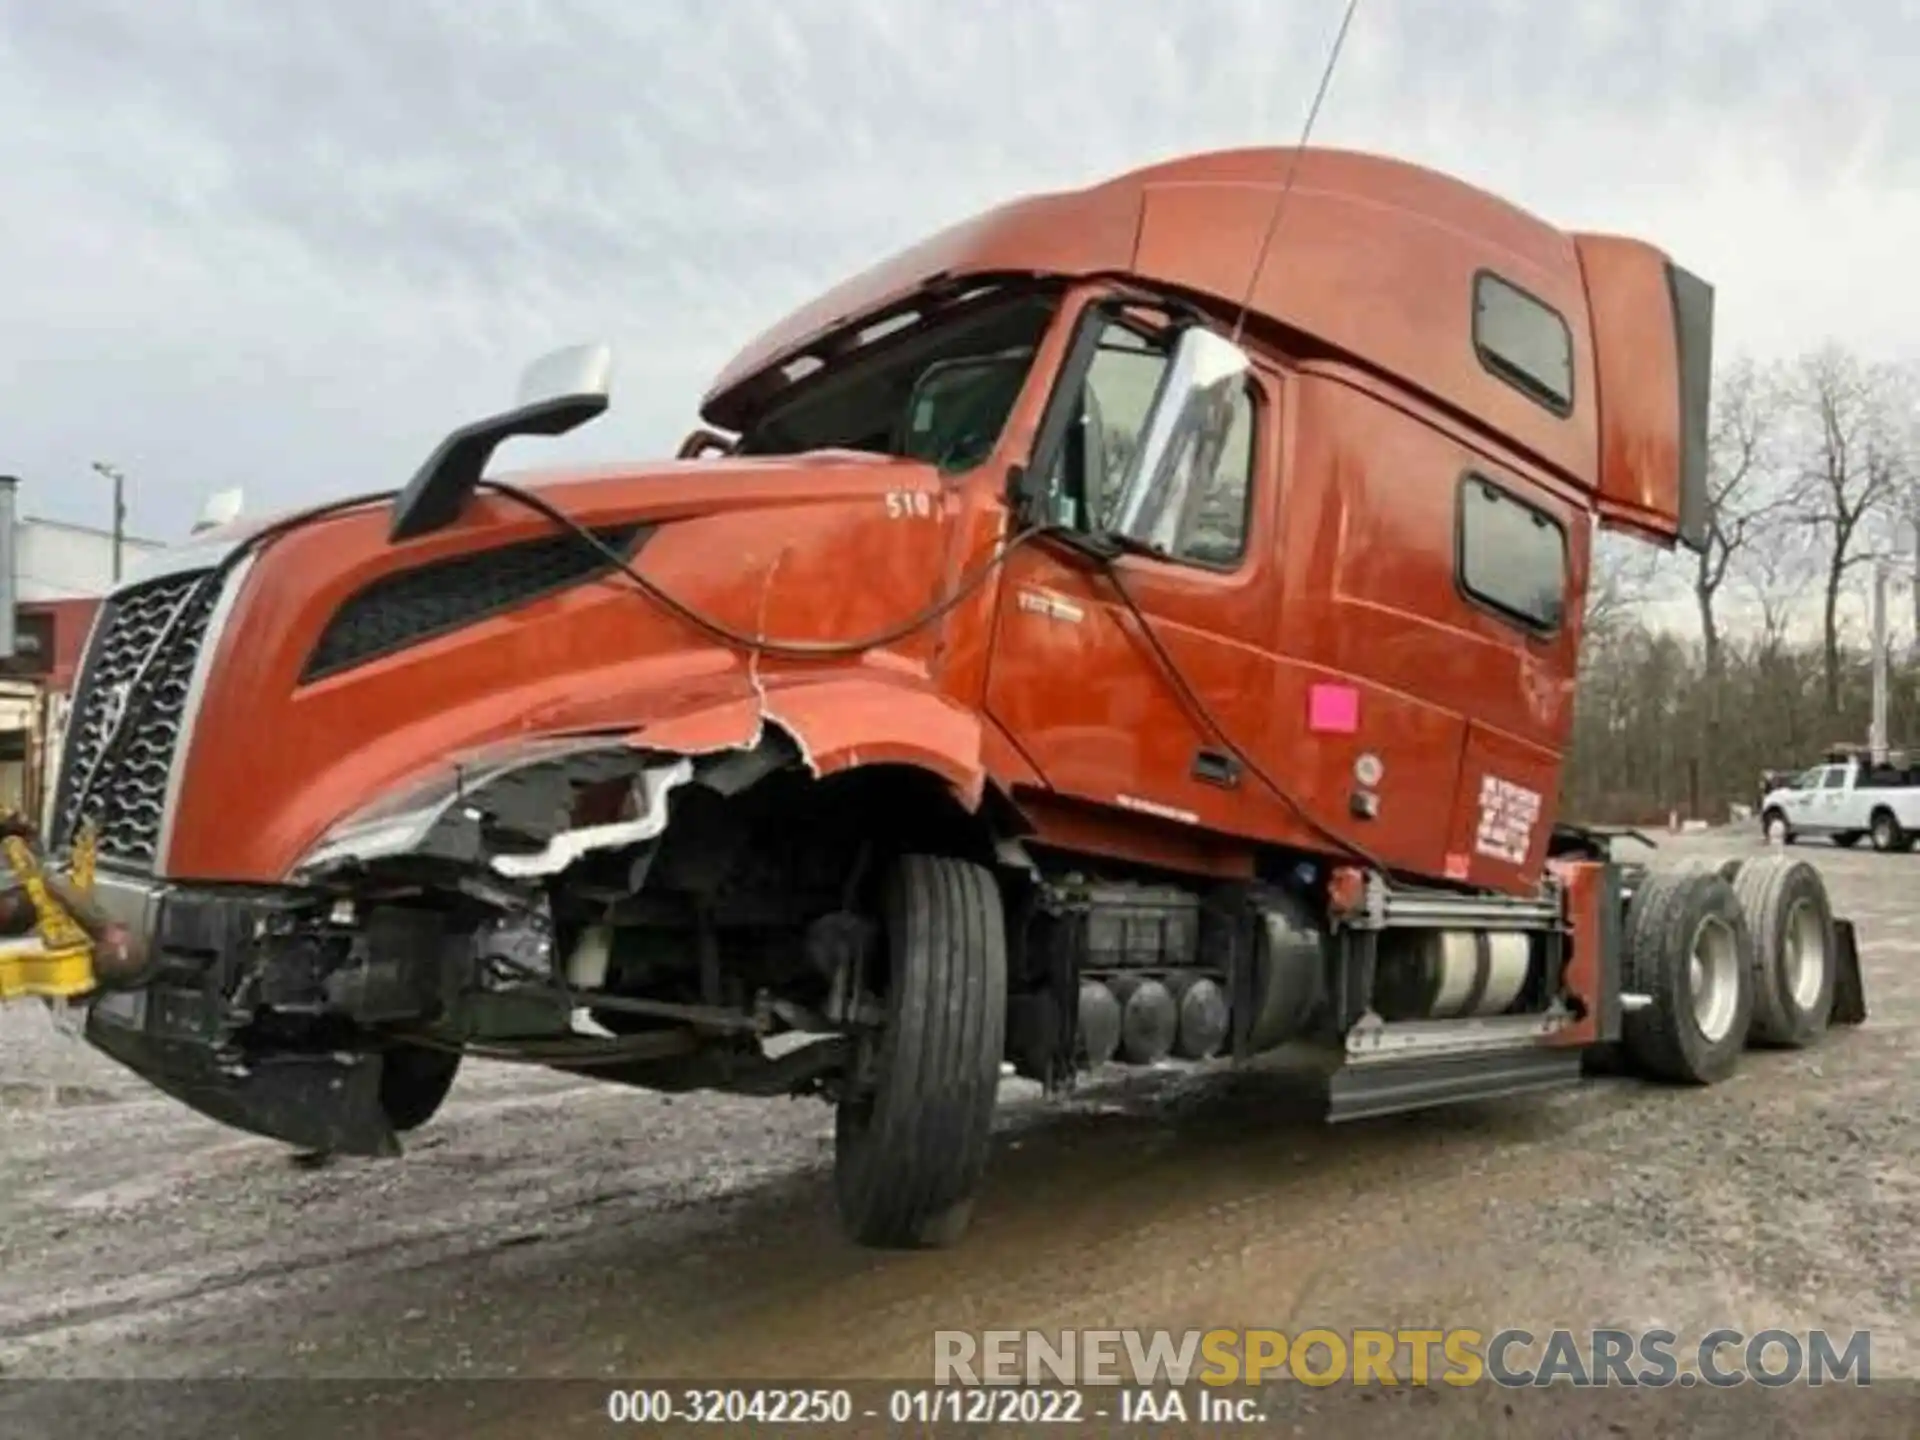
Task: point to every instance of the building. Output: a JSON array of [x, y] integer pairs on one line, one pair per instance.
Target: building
[[52, 575], [56, 560]]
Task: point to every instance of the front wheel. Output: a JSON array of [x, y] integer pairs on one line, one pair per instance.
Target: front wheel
[[913, 1123], [1775, 826]]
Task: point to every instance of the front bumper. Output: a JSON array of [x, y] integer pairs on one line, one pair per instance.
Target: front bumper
[[181, 1032]]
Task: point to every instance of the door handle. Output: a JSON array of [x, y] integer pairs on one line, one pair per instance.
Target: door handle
[[1216, 767]]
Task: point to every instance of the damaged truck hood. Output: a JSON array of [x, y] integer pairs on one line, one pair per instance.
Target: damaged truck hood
[[370, 663]]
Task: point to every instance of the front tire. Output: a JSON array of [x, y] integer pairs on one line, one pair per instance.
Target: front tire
[[1774, 826], [1689, 949], [912, 1129]]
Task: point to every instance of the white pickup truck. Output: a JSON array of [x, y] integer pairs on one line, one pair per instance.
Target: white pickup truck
[[1845, 800]]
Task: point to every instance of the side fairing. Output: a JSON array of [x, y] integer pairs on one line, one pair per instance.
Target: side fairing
[[1653, 350]]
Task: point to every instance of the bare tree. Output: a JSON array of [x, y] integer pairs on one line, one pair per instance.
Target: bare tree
[[1776, 568], [1815, 470], [1740, 495], [1849, 476], [1621, 574]]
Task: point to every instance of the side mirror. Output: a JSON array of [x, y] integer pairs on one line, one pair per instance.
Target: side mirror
[[580, 377], [1186, 425], [222, 508], [558, 393]]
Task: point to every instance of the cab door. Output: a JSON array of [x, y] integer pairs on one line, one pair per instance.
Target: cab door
[[1846, 805], [1827, 800], [1097, 678], [1803, 803]]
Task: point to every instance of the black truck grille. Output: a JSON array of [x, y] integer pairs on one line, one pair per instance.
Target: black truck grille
[[128, 797]]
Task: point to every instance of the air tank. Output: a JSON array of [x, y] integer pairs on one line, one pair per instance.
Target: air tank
[[1203, 1027], [1149, 1020], [1099, 1024]]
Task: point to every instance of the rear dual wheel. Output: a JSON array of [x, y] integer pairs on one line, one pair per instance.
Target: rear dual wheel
[[1795, 954], [1738, 955], [1688, 949]]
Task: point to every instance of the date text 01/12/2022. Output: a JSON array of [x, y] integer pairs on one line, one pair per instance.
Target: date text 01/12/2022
[[996, 1406], [839, 1406]]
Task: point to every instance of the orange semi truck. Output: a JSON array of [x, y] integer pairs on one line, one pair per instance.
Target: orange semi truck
[[1127, 627]]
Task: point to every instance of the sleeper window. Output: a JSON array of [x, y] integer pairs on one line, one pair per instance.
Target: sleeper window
[[1512, 556]]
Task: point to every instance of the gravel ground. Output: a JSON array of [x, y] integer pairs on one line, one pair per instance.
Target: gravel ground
[[542, 1228]]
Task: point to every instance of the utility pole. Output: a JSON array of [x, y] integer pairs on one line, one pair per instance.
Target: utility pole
[[119, 480], [9, 588], [1877, 735], [1913, 579]]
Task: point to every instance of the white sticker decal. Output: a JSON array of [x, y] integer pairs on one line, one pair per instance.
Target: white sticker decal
[[1054, 607], [1508, 813]]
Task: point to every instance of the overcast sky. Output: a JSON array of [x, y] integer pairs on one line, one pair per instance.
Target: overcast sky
[[287, 247]]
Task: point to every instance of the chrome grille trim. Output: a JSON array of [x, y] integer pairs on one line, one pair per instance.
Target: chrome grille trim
[[196, 692], [133, 795]]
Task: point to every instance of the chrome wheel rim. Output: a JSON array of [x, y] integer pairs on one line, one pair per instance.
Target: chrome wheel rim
[[1713, 978], [1805, 958]]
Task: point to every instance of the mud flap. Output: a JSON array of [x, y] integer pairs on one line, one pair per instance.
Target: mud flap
[[1849, 989], [327, 1102]]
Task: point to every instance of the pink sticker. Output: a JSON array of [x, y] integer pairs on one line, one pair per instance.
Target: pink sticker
[[1456, 867], [1333, 709]]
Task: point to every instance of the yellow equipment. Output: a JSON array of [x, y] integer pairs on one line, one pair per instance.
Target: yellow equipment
[[55, 962]]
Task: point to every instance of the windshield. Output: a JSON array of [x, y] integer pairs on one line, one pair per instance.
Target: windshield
[[939, 391]]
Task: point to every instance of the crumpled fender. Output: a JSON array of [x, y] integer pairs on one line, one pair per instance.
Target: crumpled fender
[[834, 722], [847, 720]]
